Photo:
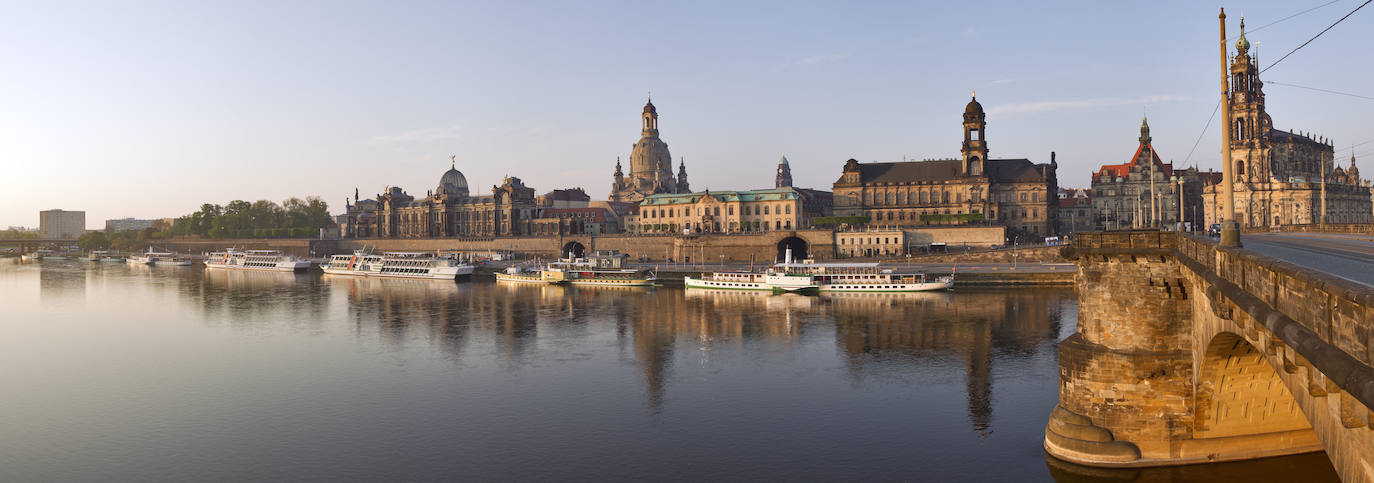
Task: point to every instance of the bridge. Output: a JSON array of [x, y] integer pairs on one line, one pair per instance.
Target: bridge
[[1187, 352], [26, 245]]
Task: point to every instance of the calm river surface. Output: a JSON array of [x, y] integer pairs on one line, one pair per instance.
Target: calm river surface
[[115, 372]]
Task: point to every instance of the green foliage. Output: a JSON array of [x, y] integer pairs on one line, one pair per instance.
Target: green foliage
[[839, 220], [93, 240], [14, 234], [294, 217], [952, 218]]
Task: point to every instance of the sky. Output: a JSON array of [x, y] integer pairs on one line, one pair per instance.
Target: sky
[[148, 109]]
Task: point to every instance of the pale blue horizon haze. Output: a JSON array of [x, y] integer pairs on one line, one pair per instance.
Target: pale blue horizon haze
[[148, 109]]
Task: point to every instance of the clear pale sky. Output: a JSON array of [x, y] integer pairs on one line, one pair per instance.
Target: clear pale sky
[[148, 109]]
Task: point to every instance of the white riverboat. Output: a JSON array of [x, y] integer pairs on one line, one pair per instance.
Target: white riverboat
[[868, 277], [604, 268], [106, 256], [151, 257], [821, 277], [52, 254], [397, 265], [267, 260]]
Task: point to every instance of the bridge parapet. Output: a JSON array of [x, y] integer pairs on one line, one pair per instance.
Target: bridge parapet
[[1187, 352]]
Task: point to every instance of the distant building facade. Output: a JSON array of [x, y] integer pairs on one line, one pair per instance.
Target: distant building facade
[[1016, 193], [724, 212], [567, 198], [61, 224], [651, 166], [1281, 177], [1144, 192], [1075, 211], [448, 210], [128, 224]]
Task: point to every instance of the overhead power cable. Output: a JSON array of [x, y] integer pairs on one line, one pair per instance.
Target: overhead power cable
[[1257, 29], [1328, 91], [1203, 133], [1314, 37]]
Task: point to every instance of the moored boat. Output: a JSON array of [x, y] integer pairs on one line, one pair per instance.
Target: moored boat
[[822, 278], [604, 268], [268, 260], [397, 265], [104, 256], [151, 257]]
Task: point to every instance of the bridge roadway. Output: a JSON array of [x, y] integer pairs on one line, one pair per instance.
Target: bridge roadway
[[1350, 257]]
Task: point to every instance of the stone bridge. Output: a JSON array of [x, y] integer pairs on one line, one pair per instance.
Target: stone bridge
[[1190, 353]]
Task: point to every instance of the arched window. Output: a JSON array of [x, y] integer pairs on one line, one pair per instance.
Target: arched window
[[789, 209], [925, 197], [944, 197], [891, 198]]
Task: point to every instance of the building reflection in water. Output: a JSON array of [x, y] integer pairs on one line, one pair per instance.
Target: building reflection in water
[[971, 325], [651, 325]]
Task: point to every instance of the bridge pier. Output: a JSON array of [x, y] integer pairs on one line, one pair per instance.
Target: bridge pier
[[1189, 353]]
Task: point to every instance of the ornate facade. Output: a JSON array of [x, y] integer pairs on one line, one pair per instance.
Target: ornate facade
[[448, 210], [1144, 193], [1016, 193], [724, 212], [1281, 177], [651, 165]]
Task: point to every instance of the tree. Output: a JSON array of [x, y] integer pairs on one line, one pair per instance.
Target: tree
[[93, 240]]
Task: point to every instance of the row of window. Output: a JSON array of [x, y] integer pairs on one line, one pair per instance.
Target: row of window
[[715, 211], [870, 241], [926, 197], [716, 226]]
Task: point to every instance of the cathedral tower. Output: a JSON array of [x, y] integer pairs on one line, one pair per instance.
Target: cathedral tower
[[975, 148]]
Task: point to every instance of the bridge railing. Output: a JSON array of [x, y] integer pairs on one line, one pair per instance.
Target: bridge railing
[[1327, 320]]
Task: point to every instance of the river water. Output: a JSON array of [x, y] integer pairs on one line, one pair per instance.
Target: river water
[[119, 372]]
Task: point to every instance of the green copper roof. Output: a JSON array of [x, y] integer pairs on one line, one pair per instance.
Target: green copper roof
[[783, 160], [1242, 45]]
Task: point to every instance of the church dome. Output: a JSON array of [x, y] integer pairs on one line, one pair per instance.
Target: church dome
[[649, 108], [453, 183], [973, 107], [650, 155]]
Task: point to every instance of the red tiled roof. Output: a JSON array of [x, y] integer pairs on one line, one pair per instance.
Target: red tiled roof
[[1121, 170]]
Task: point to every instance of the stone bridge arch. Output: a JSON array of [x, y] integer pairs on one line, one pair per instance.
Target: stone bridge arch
[[1186, 353], [1241, 400]]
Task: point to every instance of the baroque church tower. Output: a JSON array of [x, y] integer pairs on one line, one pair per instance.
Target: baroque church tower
[[975, 148], [651, 165]]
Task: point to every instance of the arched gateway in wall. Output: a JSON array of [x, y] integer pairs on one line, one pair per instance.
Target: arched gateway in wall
[[799, 248], [573, 249]]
